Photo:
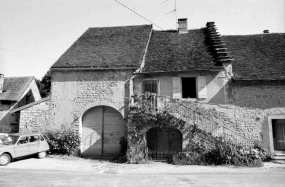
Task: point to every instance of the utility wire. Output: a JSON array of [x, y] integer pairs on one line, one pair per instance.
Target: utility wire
[[164, 2], [208, 56], [26, 54], [138, 14]]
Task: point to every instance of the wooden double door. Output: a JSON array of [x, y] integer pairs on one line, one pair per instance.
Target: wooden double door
[[163, 143], [102, 128]]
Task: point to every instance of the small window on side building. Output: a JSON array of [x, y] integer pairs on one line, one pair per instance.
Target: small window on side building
[[6, 102], [150, 86]]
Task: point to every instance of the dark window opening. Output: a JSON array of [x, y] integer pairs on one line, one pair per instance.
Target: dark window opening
[[150, 86], [6, 102], [189, 87]]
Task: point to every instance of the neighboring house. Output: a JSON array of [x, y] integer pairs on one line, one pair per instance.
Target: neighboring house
[[15, 92], [259, 86], [241, 77]]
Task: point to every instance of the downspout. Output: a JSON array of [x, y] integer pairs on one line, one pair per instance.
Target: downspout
[[139, 70]]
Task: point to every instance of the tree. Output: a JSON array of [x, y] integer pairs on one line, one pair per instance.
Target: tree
[[44, 85]]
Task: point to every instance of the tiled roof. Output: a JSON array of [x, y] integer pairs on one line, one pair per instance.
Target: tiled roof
[[14, 87], [257, 57], [169, 51], [107, 47]]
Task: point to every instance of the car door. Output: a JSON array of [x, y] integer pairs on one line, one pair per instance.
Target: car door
[[22, 147], [34, 144]]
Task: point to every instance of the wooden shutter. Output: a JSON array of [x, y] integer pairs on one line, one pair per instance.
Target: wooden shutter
[[201, 85], [176, 84]]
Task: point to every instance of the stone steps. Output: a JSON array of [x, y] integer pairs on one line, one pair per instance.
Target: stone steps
[[279, 157]]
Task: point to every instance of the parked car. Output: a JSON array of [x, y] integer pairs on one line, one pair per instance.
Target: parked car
[[22, 144], [3, 137]]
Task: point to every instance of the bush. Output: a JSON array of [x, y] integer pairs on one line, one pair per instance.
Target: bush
[[64, 141], [189, 158], [221, 154], [123, 150], [260, 150]]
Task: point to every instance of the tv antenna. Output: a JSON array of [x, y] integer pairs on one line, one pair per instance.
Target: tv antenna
[[173, 11]]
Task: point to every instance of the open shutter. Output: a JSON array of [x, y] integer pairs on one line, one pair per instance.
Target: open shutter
[[202, 89], [176, 84]]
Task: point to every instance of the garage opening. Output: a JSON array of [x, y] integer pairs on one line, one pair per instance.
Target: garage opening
[[163, 143], [102, 128], [189, 87]]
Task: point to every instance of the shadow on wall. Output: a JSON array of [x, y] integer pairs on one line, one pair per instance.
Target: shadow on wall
[[217, 90], [10, 123], [91, 145]]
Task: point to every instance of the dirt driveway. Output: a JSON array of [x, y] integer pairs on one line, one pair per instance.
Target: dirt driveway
[[60, 163]]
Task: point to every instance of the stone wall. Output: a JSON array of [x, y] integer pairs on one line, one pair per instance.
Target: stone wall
[[254, 102], [34, 118], [74, 92]]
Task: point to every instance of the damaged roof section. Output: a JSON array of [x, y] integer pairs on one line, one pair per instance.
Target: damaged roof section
[[257, 57], [14, 87], [107, 47], [170, 51]]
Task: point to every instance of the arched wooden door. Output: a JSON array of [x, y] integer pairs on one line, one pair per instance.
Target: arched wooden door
[[102, 128], [162, 143]]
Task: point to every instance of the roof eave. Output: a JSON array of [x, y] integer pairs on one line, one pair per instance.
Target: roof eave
[[155, 72], [91, 68]]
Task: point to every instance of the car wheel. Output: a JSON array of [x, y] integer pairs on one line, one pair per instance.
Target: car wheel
[[42, 154], [4, 159]]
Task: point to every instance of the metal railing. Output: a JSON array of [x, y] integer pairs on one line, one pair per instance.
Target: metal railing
[[189, 112]]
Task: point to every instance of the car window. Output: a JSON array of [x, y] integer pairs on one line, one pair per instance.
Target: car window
[[13, 139], [34, 138], [42, 138], [23, 140]]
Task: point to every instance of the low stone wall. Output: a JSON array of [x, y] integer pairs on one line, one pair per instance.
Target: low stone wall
[[35, 117]]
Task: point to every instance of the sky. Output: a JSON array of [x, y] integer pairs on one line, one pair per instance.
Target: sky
[[35, 33]]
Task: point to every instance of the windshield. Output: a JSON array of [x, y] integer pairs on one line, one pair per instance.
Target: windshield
[[11, 139]]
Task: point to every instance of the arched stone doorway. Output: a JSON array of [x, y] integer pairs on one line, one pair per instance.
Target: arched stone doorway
[[162, 143], [102, 128]]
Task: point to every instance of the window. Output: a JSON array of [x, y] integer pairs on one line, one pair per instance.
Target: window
[[150, 86], [42, 138], [34, 138], [189, 87], [23, 140], [6, 102]]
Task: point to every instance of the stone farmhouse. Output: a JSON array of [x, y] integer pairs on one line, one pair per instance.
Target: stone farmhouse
[[15, 92], [240, 78]]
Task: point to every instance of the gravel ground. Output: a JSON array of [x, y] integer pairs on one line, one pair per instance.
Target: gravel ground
[[64, 163]]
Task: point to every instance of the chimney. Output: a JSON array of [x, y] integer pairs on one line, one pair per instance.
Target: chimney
[[182, 26], [266, 31], [1, 83]]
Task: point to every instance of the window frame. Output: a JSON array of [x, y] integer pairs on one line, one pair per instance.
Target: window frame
[[154, 80]]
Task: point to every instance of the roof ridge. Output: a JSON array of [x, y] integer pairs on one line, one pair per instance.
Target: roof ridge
[[120, 26], [174, 30], [263, 34], [21, 77]]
